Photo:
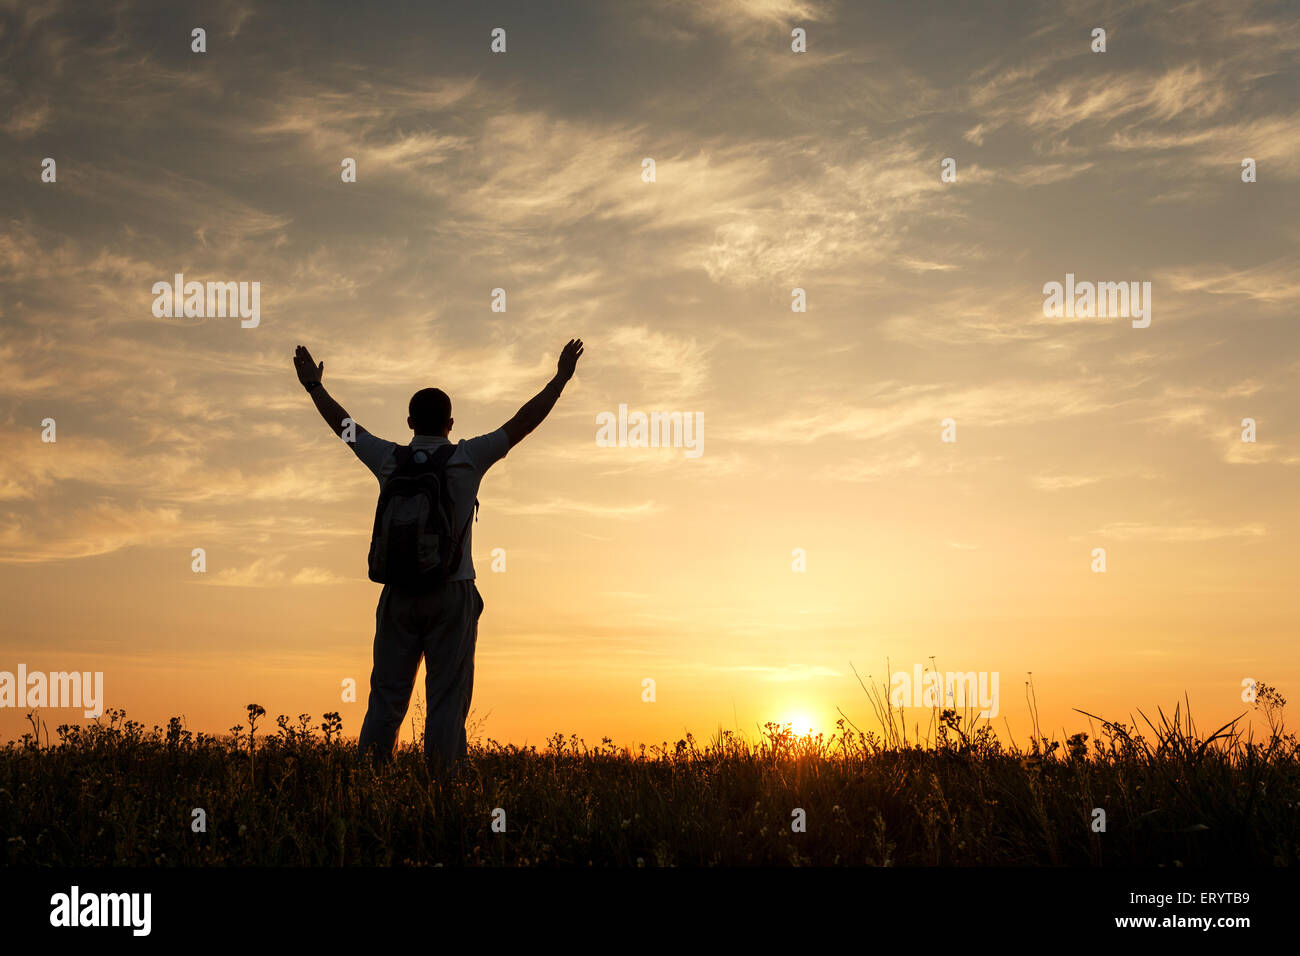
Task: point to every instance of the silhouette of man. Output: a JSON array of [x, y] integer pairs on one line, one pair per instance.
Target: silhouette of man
[[441, 625]]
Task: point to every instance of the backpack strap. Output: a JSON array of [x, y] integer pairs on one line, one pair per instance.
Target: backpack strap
[[402, 453], [443, 455], [459, 552], [405, 455]]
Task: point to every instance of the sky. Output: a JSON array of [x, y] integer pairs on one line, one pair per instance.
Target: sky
[[827, 530]]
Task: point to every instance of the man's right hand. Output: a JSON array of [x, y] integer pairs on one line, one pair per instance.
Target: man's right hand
[[307, 369], [540, 405], [569, 359]]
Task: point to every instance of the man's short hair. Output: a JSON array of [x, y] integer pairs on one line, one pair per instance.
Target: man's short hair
[[430, 411]]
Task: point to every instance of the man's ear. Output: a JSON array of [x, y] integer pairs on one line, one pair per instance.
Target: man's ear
[[450, 422], [410, 423]]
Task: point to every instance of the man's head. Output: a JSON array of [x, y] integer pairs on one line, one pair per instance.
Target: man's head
[[430, 412]]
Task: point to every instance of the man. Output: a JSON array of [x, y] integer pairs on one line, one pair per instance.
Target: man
[[441, 624]]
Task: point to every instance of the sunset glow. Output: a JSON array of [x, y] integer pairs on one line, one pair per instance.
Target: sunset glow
[[919, 469]]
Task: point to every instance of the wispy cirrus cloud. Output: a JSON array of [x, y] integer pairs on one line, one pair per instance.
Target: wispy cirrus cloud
[[774, 171], [783, 675], [268, 572], [1190, 531]]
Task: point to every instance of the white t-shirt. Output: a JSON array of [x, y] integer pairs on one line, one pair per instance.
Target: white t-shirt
[[465, 469]]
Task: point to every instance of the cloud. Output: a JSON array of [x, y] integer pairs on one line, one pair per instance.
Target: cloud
[[745, 18], [28, 119], [782, 675], [99, 529], [896, 408], [1276, 282], [1186, 532], [1062, 482], [1237, 452], [557, 507], [671, 366], [267, 573]]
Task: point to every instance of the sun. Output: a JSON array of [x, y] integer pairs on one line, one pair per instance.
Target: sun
[[800, 721]]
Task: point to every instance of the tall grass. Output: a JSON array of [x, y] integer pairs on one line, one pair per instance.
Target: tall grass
[[952, 794]]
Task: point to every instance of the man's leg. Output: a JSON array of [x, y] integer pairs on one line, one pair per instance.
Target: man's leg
[[449, 673], [398, 647]]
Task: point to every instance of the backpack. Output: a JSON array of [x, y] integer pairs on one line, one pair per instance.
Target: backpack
[[412, 543]]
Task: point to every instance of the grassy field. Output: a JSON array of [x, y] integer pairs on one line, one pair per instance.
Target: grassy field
[[115, 793]]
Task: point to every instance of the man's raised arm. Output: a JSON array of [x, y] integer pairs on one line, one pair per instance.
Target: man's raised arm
[[309, 374], [540, 405]]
